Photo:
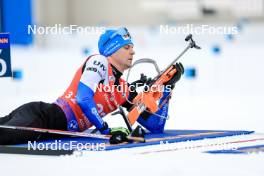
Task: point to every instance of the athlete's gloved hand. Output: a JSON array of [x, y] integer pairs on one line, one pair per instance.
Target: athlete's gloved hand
[[138, 83], [177, 76], [119, 135]]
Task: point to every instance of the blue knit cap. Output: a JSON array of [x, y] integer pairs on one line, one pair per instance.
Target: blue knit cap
[[110, 41]]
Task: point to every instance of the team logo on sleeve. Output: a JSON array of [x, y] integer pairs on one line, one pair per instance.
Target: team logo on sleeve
[[93, 69], [100, 110], [97, 63]]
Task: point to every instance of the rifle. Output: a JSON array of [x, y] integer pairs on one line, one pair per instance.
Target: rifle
[[147, 99]]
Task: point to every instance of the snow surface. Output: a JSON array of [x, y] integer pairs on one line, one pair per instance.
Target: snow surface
[[133, 162]]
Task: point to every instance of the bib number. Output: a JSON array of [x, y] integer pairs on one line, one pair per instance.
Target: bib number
[[3, 67]]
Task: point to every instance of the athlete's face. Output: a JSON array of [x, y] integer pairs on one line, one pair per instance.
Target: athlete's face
[[123, 57]]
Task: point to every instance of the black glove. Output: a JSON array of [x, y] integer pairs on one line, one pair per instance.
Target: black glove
[[138, 83], [177, 76], [118, 135], [132, 89]]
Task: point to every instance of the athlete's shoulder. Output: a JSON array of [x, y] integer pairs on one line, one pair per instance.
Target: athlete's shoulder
[[96, 64], [97, 60]]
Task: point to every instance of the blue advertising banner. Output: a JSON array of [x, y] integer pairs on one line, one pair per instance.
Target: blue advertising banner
[[5, 60], [16, 15]]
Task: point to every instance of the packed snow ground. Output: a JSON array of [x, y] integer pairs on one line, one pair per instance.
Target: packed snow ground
[[157, 160]]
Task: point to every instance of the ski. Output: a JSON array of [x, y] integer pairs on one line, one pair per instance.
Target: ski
[[68, 133]]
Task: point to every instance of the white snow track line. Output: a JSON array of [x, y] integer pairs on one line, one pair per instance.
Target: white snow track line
[[231, 143]]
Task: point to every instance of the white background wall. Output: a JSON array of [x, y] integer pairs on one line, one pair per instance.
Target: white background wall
[[142, 12]]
